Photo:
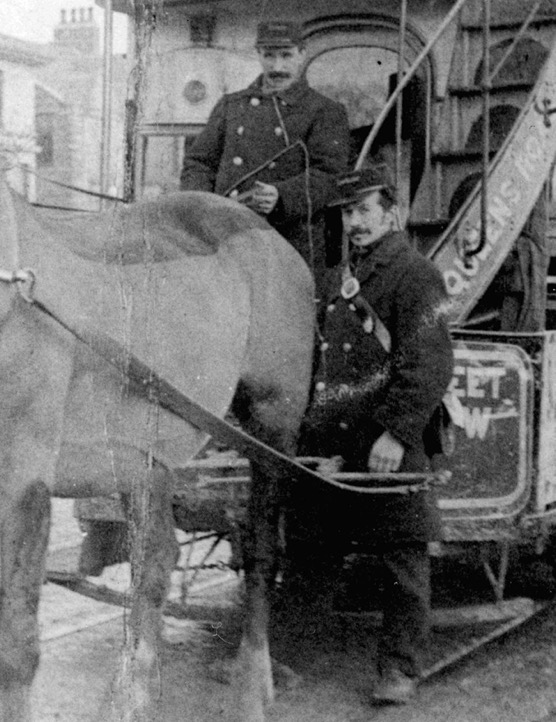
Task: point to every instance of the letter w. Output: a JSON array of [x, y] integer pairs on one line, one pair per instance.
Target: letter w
[[475, 421]]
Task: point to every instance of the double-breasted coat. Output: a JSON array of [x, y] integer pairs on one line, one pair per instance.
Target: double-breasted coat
[[247, 129], [361, 390]]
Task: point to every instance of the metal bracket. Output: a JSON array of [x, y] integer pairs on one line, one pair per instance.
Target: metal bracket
[[497, 580]]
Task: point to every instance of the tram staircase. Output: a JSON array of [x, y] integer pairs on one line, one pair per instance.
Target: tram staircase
[[522, 140]]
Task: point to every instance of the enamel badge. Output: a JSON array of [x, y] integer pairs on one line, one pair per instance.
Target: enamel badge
[[350, 288], [368, 324]]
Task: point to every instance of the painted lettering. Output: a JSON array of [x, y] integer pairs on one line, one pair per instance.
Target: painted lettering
[[476, 421], [530, 154], [533, 147], [469, 269], [499, 211], [454, 387], [455, 283], [481, 376], [510, 191]]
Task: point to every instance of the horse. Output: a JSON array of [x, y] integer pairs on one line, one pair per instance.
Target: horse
[[210, 298]]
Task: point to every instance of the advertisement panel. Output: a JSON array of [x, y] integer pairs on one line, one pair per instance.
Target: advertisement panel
[[490, 401]]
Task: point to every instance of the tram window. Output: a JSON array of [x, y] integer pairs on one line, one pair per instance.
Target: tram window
[[161, 158], [356, 76], [161, 164]]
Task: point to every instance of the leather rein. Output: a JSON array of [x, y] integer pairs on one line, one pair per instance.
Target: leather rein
[[157, 390]]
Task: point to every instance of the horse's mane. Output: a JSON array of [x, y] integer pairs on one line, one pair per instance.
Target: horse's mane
[[164, 229]]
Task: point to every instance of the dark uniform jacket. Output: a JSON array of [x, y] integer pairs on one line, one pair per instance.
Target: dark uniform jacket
[[362, 391], [246, 129]]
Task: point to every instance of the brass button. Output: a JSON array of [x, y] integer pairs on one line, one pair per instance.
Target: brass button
[[320, 386], [237, 160], [331, 307], [347, 347], [343, 425], [234, 193], [352, 307], [278, 130], [255, 102], [240, 130], [272, 165], [324, 346]]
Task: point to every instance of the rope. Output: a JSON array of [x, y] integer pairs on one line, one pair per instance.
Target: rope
[[307, 173], [157, 390], [280, 119], [104, 196], [61, 208], [261, 167]]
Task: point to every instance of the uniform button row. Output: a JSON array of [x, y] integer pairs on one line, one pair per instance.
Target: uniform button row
[[346, 346], [332, 306], [257, 101], [277, 131]]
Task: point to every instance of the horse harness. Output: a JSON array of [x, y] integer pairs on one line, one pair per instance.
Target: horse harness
[[157, 390]]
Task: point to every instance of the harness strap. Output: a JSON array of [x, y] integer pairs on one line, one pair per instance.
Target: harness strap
[[155, 389], [159, 391], [372, 323]]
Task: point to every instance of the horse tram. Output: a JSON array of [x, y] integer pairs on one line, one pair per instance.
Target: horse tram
[[459, 97]]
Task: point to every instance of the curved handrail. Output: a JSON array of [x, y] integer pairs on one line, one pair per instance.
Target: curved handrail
[[409, 75]]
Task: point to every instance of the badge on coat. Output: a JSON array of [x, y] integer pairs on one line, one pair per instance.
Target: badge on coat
[[350, 288]]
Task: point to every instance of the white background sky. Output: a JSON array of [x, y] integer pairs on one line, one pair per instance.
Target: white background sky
[[35, 19]]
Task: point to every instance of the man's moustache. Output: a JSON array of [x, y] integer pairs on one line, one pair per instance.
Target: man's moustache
[[277, 76], [357, 232]]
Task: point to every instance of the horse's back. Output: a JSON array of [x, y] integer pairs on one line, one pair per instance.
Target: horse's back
[[218, 296], [164, 229]]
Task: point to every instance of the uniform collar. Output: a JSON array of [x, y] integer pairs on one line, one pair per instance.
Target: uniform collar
[[290, 96], [380, 253]]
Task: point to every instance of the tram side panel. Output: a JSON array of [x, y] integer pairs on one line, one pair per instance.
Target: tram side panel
[[545, 488]]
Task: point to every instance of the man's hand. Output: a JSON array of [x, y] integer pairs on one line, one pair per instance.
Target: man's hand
[[386, 454], [263, 198]]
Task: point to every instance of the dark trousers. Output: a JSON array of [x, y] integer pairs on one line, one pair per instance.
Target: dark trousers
[[405, 607]]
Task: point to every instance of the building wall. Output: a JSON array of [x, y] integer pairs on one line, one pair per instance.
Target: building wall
[[17, 125], [54, 160], [76, 74]]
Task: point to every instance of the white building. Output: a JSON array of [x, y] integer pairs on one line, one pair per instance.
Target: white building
[[19, 62]]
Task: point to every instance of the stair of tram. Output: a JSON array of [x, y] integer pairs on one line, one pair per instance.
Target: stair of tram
[[446, 212]]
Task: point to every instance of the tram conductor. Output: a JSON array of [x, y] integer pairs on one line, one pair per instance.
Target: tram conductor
[[385, 364], [275, 146]]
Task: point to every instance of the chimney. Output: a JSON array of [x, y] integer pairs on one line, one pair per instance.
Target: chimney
[[81, 33]]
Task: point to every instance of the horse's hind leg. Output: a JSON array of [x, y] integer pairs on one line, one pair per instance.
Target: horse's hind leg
[[254, 684], [24, 527], [154, 552], [273, 424]]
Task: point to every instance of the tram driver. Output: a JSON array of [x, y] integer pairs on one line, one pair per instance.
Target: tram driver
[[275, 146], [385, 363]]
